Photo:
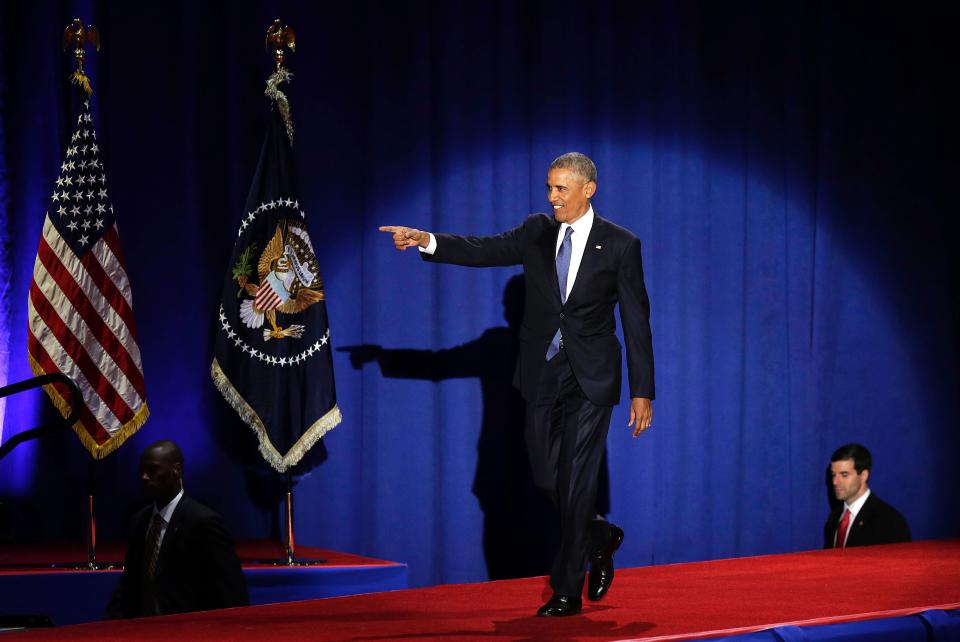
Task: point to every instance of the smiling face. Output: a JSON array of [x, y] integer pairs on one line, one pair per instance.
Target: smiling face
[[569, 195]]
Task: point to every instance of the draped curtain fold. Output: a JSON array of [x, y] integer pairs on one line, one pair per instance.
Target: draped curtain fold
[[782, 164]]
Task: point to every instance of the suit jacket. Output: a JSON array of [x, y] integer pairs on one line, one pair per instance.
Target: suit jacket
[[610, 272], [197, 567], [877, 523]]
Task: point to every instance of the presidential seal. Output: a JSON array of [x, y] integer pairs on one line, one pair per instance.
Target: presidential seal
[[289, 281]]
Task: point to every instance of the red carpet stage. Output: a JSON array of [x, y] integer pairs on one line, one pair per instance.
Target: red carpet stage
[[71, 597], [672, 602]]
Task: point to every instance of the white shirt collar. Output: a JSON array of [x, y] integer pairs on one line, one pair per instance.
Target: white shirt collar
[[581, 226], [855, 507], [167, 511]]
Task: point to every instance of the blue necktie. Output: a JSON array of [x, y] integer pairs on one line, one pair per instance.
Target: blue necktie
[[563, 266]]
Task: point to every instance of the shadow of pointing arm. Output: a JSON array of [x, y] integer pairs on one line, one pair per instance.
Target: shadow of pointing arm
[[462, 361]]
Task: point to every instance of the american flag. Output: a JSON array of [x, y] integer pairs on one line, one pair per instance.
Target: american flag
[[80, 310]]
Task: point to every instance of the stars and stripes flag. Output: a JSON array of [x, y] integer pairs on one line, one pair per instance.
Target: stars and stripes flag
[[80, 309], [272, 358]]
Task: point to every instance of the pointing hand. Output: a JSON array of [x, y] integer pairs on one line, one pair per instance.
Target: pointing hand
[[406, 237]]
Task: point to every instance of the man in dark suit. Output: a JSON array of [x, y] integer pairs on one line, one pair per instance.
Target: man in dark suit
[[861, 518], [577, 268], [180, 557]]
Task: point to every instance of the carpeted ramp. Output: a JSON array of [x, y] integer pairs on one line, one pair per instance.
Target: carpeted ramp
[[671, 602]]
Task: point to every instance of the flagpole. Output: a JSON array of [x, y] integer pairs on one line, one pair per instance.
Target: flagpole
[[291, 559], [279, 39], [291, 551], [91, 518], [76, 37]]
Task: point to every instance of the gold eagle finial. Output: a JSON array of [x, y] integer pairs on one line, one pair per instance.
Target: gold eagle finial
[[76, 36], [279, 38]]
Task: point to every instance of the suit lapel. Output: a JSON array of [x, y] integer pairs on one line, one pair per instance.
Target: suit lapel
[[171, 534], [590, 257], [863, 519], [833, 524], [861, 523], [140, 532], [548, 254]]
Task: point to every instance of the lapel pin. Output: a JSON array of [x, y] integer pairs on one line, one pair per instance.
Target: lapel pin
[[599, 247]]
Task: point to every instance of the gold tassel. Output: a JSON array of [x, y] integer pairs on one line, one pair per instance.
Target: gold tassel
[[278, 462], [80, 78], [97, 451], [273, 92]]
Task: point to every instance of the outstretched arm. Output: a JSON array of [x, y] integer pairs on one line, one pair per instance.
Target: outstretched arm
[[472, 251]]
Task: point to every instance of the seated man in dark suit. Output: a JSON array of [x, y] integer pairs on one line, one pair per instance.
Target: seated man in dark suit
[[862, 519], [180, 557]]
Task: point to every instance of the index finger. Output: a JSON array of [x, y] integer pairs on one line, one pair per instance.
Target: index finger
[[389, 228]]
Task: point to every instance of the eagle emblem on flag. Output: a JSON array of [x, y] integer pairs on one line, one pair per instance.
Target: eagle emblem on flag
[[289, 281], [272, 361]]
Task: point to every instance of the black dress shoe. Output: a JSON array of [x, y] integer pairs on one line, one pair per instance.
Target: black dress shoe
[[601, 565], [560, 606]]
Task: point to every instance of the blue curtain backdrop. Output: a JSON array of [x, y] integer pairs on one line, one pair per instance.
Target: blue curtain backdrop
[[784, 164]]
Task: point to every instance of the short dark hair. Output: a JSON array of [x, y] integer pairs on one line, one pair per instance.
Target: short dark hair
[[170, 450], [578, 164], [859, 454]]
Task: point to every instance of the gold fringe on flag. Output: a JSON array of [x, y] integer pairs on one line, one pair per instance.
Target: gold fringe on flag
[[278, 462], [98, 451]]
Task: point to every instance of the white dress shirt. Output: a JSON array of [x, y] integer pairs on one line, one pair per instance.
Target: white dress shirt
[[854, 509], [166, 513], [578, 240]]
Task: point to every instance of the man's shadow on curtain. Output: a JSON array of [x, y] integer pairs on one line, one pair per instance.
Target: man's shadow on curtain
[[520, 526]]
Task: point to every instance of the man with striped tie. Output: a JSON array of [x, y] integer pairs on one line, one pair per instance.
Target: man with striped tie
[[180, 557]]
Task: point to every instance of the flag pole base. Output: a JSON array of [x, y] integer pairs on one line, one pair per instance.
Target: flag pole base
[[291, 560], [89, 566], [318, 561]]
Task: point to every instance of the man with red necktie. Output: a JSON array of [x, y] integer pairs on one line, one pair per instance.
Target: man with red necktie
[[862, 518]]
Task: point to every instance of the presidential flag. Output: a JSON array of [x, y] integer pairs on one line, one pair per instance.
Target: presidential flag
[[272, 360], [80, 308]]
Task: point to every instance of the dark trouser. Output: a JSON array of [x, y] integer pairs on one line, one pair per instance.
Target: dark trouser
[[566, 434]]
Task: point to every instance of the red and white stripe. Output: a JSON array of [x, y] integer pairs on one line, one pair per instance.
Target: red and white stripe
[[81, 324], [267, 298]]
